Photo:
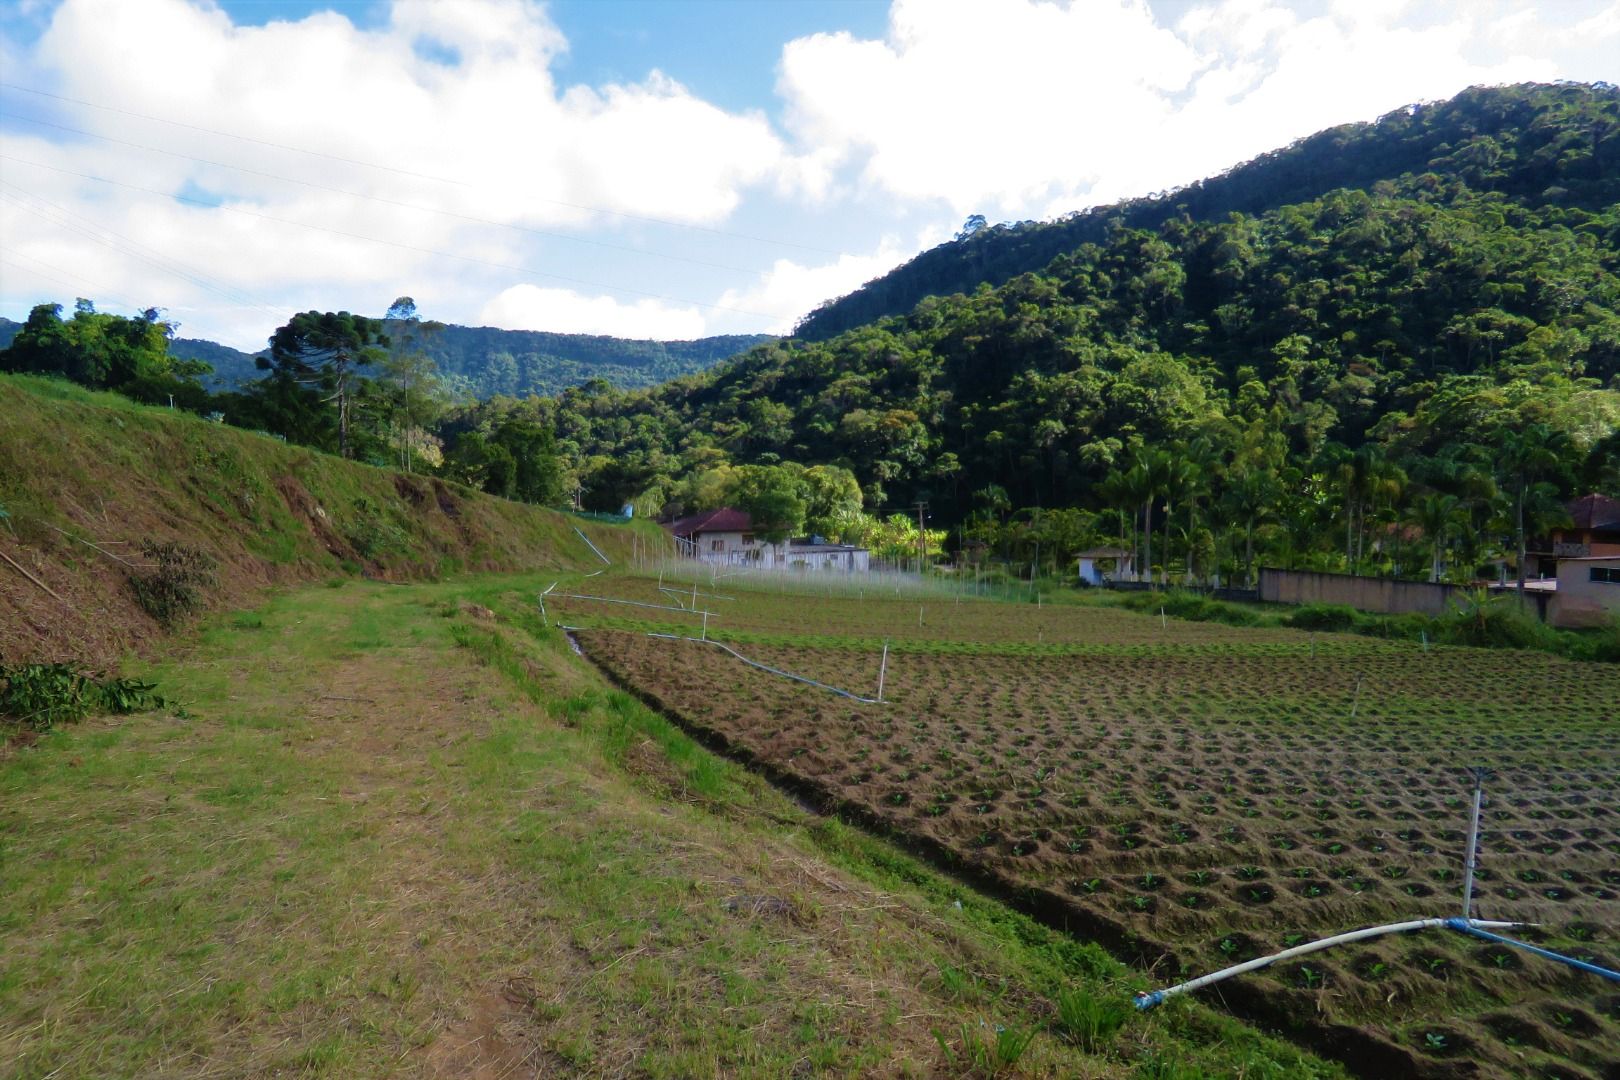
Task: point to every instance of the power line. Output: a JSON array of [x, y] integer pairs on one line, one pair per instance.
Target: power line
[[418, 175], [65, 219], [64, 277], [387, 201], [528, 271]]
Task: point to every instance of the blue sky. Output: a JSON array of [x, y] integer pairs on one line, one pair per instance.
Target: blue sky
[[725, 50], [654, 168]]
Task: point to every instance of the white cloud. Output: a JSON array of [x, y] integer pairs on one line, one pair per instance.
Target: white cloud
[[1604, 24], [1021, 106], [985, 103], [563, 311], [793, 288], [439, 92]]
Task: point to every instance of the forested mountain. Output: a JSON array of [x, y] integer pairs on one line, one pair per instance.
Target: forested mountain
[[1534, 144], [232, 367], [483, 361], [1305, 377]]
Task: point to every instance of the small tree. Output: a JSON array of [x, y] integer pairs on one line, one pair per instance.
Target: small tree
[[417, 395]]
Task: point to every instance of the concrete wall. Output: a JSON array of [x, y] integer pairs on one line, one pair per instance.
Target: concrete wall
[[1381, 595]]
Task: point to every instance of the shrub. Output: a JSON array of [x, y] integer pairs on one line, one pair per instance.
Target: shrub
[[172, 588], [1180, 604], [1498, 623], [40, 696], [1328, 617], [372, 532]]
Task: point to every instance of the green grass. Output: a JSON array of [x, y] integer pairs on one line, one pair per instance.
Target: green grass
[[386, 834]]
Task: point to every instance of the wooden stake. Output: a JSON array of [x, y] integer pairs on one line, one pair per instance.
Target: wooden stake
[[883, 669], [31, 577]]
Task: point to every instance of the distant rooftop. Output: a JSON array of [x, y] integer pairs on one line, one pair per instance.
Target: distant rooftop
[[1595, 512], [724, 519]]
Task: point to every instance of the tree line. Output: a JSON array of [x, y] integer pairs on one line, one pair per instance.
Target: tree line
[[360, 387]]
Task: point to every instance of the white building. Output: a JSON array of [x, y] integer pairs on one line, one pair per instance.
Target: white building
[[1118, 561], [727, 536]]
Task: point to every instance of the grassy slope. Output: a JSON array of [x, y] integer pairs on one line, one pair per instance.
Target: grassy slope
[[390, 835], [79, 468]]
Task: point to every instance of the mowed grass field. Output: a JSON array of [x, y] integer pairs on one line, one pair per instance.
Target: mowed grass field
[[1195, 794], [407, 831]]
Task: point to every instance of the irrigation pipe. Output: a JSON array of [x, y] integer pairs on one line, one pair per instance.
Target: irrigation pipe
[[768, 668], [706, 596], [634, 603], [592, 546], [1472, 927], [1148, 1000]]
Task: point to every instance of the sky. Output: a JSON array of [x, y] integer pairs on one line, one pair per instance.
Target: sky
[[654, 168]]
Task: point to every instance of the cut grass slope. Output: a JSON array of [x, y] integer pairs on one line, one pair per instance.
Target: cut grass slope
[[86, 478], [390, 834]]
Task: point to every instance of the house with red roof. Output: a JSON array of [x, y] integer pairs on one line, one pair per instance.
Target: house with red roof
[[727, 536], [1593, 530], [716, 535]]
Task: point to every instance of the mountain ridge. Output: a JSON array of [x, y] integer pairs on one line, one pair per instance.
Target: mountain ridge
[[482, 361], [1532, 165]]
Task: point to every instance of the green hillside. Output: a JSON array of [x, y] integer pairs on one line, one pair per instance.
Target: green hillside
[[1535, 144], [87, 479], [1290, 385]]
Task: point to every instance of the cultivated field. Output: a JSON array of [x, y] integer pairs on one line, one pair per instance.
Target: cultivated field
[[1194, 794]]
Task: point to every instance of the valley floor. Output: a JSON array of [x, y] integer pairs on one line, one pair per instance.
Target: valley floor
[[406, 831]]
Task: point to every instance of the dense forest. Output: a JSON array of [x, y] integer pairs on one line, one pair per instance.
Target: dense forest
[[1535, 144], [1409, 373]]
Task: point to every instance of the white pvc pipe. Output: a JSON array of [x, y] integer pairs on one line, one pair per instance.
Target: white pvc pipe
[[1148, 1000], [634, 603]]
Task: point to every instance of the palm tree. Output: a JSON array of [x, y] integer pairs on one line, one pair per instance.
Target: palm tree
[[1527, 457], [1151, 472], [1121, 490], [1251, 498], [1198, 464], [1436, 514]]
